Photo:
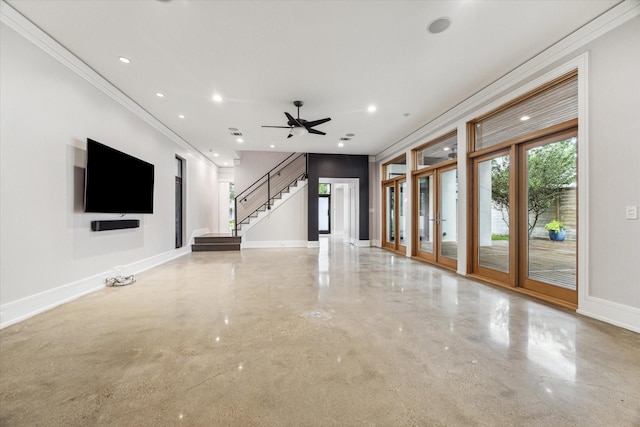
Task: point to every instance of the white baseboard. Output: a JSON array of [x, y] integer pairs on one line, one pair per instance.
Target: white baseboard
[[22, 309], [264, 244], [611, 312], [363, 243], [313, 244], [376, 243]]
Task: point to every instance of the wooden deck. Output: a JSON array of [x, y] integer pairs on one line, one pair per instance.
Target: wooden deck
[[550, 262]]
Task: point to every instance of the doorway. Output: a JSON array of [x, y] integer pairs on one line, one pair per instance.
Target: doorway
[[338, 208], [179, 202], [521, 194], [394, 227], [436, 216], [324, 208]]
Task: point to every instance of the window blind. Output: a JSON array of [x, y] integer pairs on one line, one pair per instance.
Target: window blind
[[550, 107], [440, 151]]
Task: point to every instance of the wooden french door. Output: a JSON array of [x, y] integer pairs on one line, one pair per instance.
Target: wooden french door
[[548, 267], [394, 224], [516, 190], [435, 225]]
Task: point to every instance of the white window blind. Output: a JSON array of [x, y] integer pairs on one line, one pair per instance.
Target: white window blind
[[553, 106], [440, 151]]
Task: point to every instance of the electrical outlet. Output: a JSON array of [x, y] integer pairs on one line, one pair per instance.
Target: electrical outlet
[[631, 212]]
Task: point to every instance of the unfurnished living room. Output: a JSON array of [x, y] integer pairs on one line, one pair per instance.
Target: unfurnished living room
[[316, 213]]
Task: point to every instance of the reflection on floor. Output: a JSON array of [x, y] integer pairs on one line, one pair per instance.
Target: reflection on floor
[[338, 335]]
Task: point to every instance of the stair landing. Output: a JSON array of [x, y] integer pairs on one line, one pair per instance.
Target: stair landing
[[216, 242]]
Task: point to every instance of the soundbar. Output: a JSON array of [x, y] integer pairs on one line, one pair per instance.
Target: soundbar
[[114, 225]]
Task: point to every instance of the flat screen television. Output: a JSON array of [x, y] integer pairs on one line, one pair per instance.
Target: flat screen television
[[116, 182]]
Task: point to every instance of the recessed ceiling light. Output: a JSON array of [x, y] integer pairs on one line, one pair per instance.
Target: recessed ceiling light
[[215, 154], [217, 98], [371, 108], [272, 146], [160, 95], [181, 116], [340, 144], [125, 60], [225, 163], [525, 118], [239, 140], [439, 25], [447, 148]]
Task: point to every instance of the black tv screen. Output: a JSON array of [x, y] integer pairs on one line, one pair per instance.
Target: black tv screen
[[116, 182]]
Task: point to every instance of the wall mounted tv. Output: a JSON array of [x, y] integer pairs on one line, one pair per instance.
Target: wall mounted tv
[[116, 182]]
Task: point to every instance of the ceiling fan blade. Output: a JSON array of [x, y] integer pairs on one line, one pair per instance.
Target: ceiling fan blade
[[317, 132], [316, 122], [281, 127], [292, 120]]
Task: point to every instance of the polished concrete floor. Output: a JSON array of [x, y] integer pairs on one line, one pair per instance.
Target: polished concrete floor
[[314, 337]]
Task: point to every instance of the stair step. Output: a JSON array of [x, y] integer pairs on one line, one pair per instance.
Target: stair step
[[218, 239], [210, 247]]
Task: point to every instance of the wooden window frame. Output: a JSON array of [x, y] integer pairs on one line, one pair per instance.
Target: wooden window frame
[[414, 152]]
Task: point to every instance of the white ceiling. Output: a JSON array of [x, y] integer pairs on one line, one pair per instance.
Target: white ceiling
[[336, 56]]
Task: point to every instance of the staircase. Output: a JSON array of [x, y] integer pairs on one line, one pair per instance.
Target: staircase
[[264, 194], [216, 242], [277, 201]]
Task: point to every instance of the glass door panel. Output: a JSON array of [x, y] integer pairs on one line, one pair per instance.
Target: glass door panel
[[402, 189], [492, 213], [425, 215], [389, 215], [549, 210], [448, 219], [436, 213], [324, 214]]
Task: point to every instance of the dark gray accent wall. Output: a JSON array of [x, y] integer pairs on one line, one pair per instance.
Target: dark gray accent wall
[[338, 166]]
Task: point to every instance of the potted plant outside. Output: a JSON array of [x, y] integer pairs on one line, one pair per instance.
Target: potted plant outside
[[556, 230]]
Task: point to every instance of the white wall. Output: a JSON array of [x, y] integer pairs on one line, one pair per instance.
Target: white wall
[[338, 208], [614, 155], [47, 250], [254, 165], [285, 225], [223, 208]]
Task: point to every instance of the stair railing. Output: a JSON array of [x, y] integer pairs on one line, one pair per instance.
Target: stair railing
[[261, 195]]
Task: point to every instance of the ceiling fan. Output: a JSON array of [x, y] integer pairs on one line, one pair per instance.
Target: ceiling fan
[[300, 126]]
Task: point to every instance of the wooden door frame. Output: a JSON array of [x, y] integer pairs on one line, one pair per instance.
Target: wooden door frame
[[384, 243], [440, 259], [395, 183], [435, 257], [556, 292], [504, 278], [415, 226], [517, 216]]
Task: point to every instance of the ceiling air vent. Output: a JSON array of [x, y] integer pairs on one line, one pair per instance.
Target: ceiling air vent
[[345, 139], [236, 133]]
